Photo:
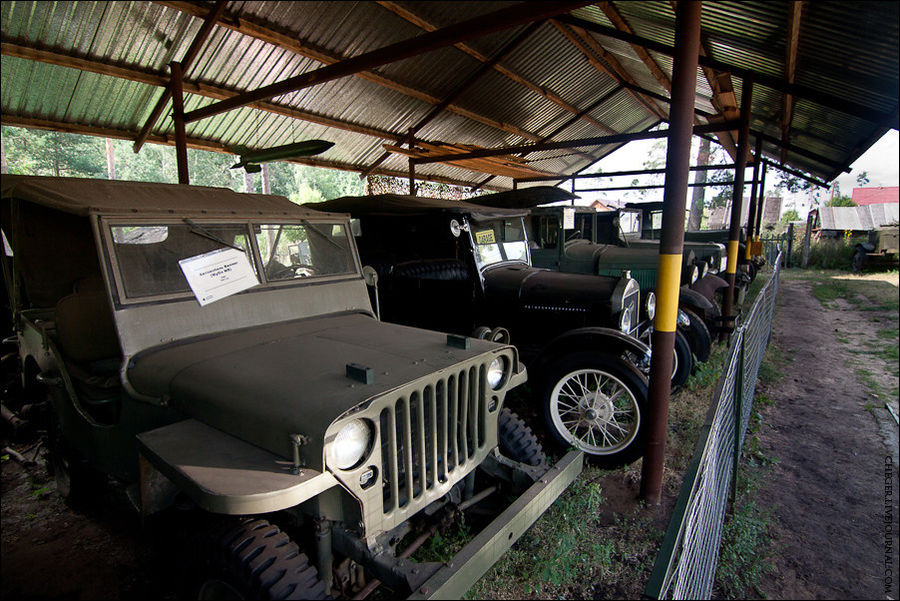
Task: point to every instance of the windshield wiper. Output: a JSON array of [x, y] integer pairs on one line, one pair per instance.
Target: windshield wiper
[[205, 233]]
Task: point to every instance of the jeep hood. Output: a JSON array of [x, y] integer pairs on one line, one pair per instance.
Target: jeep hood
[[264, 383], [527, 287]]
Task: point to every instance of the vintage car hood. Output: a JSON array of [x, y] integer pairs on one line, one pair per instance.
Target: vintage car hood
[[264, 383], [526, 287], [611, 256]]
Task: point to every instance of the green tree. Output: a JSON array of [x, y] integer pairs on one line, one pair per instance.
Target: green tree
[[862, 179], [841, 201], [790, 215]]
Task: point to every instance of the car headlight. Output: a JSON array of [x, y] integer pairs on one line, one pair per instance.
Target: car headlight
[[650, 305], [495, 372], [703, 265], [625, 320], [695, 274], [350, 444], [683, 319], [723, 263]]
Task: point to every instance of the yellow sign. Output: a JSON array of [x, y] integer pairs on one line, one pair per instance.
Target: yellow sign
[[485, 237]]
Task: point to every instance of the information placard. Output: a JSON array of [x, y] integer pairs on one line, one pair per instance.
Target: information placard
[[218, 274]]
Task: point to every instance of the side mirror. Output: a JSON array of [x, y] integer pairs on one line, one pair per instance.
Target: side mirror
[[371, 278]]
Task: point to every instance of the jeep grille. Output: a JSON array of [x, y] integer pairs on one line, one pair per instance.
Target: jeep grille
[[431, 436]]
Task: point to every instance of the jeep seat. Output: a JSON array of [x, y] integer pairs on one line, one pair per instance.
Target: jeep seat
[[85, 330], [432, 269]]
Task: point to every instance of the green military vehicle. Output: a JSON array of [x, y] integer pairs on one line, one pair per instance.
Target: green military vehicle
[[221, 349]]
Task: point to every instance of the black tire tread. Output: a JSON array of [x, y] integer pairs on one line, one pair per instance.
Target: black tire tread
[[701, 336], [517, 441], [266, 563]]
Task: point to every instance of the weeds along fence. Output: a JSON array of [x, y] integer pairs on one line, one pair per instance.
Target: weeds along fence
[[686, 565]]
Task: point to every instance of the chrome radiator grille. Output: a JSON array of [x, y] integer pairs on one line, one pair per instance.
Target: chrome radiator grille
[[431, 436], [634, 302]]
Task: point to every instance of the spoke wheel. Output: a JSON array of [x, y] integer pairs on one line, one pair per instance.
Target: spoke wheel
[[596, 403]]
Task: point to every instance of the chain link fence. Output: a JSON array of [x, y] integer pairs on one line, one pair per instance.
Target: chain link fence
[[686, 565]]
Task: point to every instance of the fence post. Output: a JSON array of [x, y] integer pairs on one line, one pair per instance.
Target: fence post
[[738, 416], [790, 242], [809, 222]]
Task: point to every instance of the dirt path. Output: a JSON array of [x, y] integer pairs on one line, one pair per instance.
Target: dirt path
[[834, 442]]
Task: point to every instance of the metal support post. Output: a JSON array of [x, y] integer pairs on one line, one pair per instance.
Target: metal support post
[[737, 201], [178, 117], [762, 195], [751, 214], [412, 165], [678, 155]]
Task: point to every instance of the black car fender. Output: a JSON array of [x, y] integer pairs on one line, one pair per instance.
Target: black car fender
[[605, 340], [700, 295]]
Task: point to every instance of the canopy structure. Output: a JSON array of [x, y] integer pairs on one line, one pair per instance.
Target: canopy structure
[[386, 81]]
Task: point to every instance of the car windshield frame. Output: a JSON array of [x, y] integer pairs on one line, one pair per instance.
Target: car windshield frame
[[203, 227], [474, 224]]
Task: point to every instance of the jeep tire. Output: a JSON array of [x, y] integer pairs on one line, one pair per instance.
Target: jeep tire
[[253, 559], [610, 426], [517, 441]]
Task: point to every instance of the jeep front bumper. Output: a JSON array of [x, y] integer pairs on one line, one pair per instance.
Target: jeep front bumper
[[459, 574]]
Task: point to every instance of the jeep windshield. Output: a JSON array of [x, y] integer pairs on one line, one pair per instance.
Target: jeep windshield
[[147, 254], [499, 241]]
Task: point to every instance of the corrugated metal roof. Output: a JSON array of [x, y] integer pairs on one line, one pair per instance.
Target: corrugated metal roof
[[850, 50]]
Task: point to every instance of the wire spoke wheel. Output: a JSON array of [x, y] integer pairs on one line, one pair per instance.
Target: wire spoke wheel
[[594, 411]]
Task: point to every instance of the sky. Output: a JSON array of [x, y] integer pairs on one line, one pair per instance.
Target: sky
[[881, 163]]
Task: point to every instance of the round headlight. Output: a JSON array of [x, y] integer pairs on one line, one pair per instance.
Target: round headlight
[[349, 445], [651, 305], [723, 263], [495, 372], [683, 319], [695, 274], [625, 320], [703, 265]]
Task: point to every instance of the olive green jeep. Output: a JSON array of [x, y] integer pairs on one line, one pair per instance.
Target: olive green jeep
[[220, 350]]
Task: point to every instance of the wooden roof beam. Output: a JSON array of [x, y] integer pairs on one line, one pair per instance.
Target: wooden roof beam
[[585, 43], [595, 141], [825, 99], [480, 72], [193, 50], [542, 91], [123, 71], [199, 144], [305, 48], [505, 18], [790, 67]]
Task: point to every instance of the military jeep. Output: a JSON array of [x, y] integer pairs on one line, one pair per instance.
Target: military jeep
[[467, 269], [219, 350]]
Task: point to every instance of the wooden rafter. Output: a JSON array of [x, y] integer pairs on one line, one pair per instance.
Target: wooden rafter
[[543, 91], [511, 16], [586, 43], [123, 71], [197, 144], [619, 22], [307, 49], [503, 165], [790, 66]]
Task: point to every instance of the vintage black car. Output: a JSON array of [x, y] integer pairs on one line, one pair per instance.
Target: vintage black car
[[221, 348], [466, 268], [578, 239]]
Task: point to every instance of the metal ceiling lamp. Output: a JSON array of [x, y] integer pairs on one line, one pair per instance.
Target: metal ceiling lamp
[[250, 159]]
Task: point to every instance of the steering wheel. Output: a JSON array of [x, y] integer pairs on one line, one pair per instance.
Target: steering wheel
[[304, 270]]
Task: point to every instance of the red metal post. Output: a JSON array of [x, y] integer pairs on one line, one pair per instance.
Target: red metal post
[[684, 83], [737, 201], [178, 117]]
